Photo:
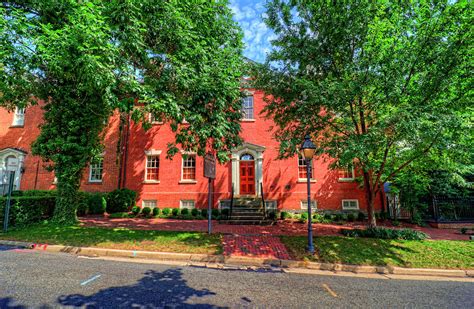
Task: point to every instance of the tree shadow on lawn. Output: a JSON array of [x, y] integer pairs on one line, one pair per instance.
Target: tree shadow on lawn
[[346, 250], [154, 290]]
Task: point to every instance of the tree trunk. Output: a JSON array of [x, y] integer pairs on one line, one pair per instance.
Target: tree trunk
[[370, 196], [67, 200]]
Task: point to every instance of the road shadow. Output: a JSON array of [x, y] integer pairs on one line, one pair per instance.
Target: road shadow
[[9, 303], [155, 290]]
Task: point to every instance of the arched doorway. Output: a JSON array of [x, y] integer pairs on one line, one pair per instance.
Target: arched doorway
[[247, 174]]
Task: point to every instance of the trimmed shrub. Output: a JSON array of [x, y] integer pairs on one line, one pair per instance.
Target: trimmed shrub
[[120, 200], [396, 223], [303, 217], [327, 217], [146, 211], [136, 210], [26, 210], [318, 218], [166, 211], [272, 215], [35, 193], [215, 213], [175, 212], [204, 213], [82, 203], [338, 217], [351, 217], [385, 233], [285, 215], [156, 212], [195, 212], [96, 203], [225, 212], [185, 211], [360, 216]]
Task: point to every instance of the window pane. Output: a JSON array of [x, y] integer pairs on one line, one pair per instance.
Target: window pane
[[96, 170], [152, 167], [345, 173], [247, 107], [189, 167], [302, 168]]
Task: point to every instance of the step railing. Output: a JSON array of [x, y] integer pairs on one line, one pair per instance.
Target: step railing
[[263, 201], [231, 202]]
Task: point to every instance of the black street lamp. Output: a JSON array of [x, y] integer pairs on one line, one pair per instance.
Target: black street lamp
[[307, 151]]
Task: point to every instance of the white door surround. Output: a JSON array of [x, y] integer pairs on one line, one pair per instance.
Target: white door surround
[[257, 153], [7, 154]]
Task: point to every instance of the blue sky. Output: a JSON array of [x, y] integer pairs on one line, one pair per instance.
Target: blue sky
[[257, 36]]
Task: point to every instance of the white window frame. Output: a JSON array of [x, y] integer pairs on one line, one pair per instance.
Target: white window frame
[[182, 167], [152, 120], [181, 204], [313, 179], [93, 166], [147, 201], [349, 201], [19, 117], [152, 153], [244, 114], [304, 205], [347, 179], [274, 203]]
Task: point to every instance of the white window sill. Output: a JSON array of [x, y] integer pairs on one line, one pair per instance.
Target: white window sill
[[17, 126], [304, 180], [151, 181], [345, 208], [248, 120], [95, 182], [345, 179], [187, 182], [157, 122]]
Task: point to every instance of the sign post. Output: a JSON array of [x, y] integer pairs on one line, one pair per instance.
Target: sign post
[[12, 166], [210, 174]]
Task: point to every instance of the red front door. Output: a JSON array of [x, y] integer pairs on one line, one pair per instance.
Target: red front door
[[247, 177]]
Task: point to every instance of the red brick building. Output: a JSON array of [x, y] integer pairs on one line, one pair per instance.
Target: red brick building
[[136, 159]]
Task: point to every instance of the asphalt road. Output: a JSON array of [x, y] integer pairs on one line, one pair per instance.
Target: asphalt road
[[46, 280]]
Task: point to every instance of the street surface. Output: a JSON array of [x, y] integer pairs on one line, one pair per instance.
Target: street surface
[[35, 279]]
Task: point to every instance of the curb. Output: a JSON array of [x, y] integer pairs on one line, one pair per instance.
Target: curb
[[217, 261]]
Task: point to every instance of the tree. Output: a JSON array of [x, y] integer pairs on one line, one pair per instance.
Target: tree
[[85, 59], [379, 85]]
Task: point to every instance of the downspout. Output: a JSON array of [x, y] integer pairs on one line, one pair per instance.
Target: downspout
[[36, 175], [127, 135]]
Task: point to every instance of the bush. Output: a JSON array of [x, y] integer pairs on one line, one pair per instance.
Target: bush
[[82, 204], [119, 215], [204, 213], [285, 215], [272, 215], [26, 210], [215, 213], [360, 216], [319, 218], [384, 233], [35, 193], [195, 212], [327, 217], [175, 212], [303, 217], [185, 211], [166, 211], [351, 217], [96, 203], [146, 211], [225, 213], [377, 215], [120, 200], [338, 217], [156, 211], [396, 223], [136, 210]]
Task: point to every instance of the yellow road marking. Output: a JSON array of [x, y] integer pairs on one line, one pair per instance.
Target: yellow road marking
[[333, 294]]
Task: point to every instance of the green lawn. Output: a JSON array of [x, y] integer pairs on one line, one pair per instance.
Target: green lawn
[[118, 238], [370, 251]]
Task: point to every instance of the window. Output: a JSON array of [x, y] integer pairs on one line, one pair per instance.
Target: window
[[350, 204], [247, 107], [95, 170], [149, 203], [155, 119], [19, 117], [187, 204], [189, 167], [271, 205], [304, 205], [302, 168], [152, 168], [346, 174]]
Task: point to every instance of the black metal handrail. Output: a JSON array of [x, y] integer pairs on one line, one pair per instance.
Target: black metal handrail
[[263, 200], [231, 202]]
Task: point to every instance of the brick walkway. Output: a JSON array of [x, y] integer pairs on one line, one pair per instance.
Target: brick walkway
[[255, 246], [282, 228]]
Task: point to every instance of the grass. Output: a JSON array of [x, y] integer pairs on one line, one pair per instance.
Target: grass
[[118, 238], [447, 254]]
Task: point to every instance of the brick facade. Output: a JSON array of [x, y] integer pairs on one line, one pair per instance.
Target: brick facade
[[125, 162]]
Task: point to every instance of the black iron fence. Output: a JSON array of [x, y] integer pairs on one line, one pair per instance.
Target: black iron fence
[[452, 209]]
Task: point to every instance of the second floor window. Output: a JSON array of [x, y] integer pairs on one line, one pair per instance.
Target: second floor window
[[302, 168], [96, 169], [152, 168], [18, 117], [346, 173], [189, 167], [247, 107]]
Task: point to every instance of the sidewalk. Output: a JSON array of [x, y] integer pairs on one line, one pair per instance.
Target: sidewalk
[[283, 228]]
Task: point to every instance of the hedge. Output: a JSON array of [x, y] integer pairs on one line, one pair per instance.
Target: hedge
[[25, 210], [120, 200], [385, 233]]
